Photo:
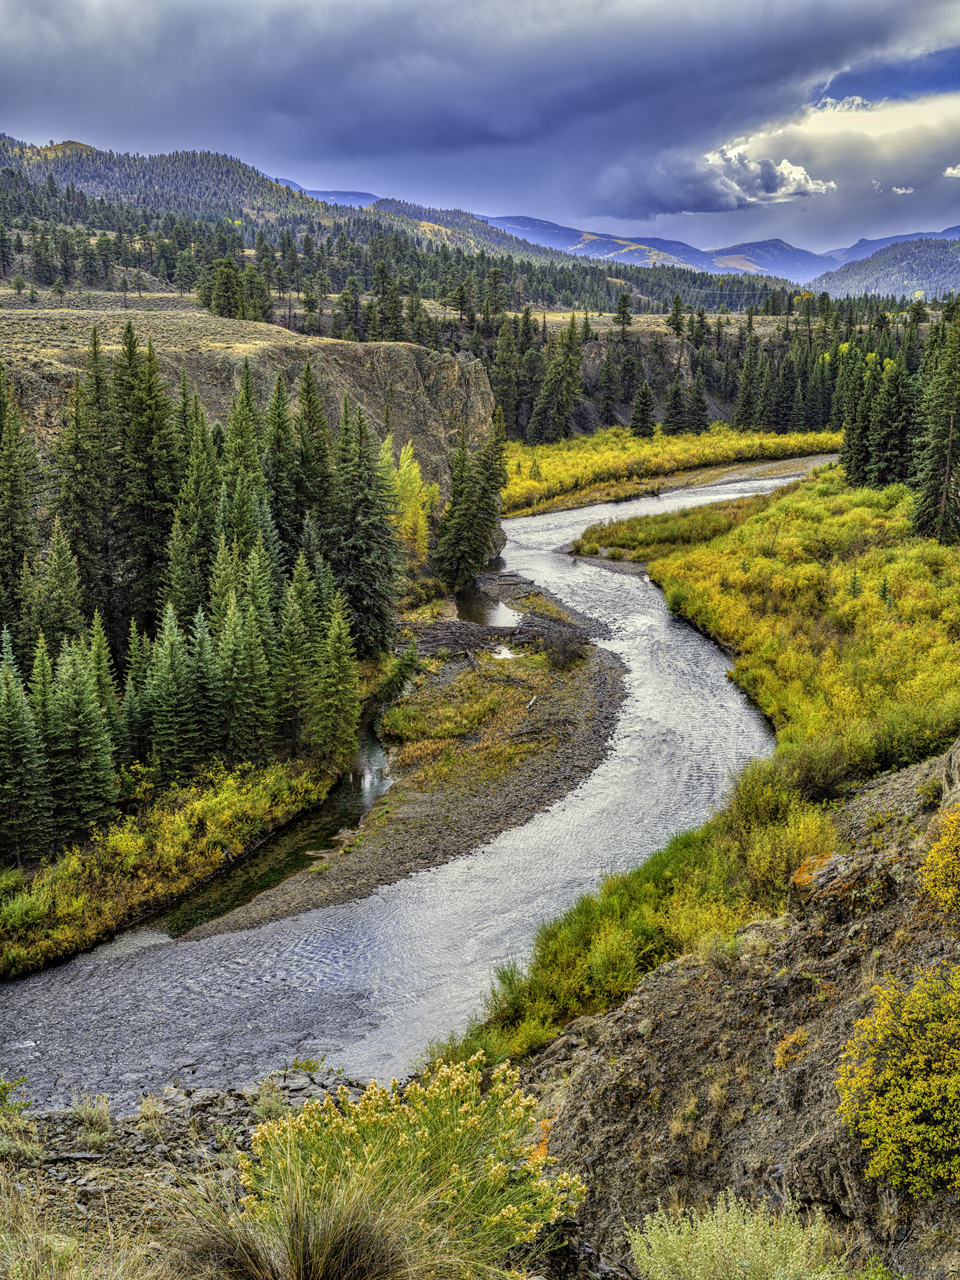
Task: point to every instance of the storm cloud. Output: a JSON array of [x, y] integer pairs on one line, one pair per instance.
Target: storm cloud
[[692, 116]]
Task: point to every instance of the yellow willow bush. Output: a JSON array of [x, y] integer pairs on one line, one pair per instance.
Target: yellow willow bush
[[900, 1083], [940, 872], [845, 626], [448, 1141], [539, 473], [139, 862]]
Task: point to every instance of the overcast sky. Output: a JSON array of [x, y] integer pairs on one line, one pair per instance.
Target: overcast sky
[[817, 121]]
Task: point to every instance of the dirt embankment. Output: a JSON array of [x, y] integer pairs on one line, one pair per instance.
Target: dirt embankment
[[719, 1071], [430, 394]]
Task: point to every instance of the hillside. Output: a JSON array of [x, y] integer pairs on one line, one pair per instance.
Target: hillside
[[431, 394], [864, 248], [930, 267]]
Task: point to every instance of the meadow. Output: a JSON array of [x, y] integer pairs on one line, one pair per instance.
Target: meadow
[[544, 477], [844, 630]]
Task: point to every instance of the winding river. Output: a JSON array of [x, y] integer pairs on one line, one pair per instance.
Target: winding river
[[367, 983]]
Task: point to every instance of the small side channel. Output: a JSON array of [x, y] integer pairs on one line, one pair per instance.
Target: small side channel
[[290, 850]]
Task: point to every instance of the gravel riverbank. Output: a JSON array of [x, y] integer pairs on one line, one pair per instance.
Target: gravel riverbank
[[410, 830]]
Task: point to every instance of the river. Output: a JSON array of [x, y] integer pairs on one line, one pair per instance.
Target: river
[[367, 983]]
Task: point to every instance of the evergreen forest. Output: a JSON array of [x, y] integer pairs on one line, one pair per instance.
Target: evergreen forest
[[176, 593]]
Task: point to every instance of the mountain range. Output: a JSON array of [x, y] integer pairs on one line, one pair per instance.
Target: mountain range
[[190, 182], [763, 257]]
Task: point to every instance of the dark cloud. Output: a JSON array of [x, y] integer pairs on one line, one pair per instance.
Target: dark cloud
[[624, 109]]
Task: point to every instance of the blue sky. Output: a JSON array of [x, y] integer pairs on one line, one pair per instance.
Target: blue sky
[[817, 122]]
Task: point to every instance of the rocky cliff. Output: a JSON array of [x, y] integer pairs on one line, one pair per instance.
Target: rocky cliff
[[432, 394], [719, 1071]]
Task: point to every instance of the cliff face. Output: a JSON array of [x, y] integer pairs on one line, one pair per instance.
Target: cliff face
[[432, 394], [719, 1071]]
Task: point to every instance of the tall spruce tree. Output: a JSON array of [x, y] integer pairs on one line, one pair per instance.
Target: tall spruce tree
[[173, 731], [52, 596], [550, 419], [891, 427], [505, 374], [151, 471], [675, 410], [365, 553], [280, 473], [698, 411], [316, 482], [641, 419], [25, 826], [82, 500], [936, 509], [19, 472], [192, 545], [333, 716], [205, 696], [465, 537], [81, 763]]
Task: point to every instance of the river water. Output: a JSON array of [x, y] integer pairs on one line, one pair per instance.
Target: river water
[[368, 983]]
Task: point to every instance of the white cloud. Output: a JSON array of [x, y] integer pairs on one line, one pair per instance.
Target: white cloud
[[903, 191], [877, 187], [952, 172], [746, 180]]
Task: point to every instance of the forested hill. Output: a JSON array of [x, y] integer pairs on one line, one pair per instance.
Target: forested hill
[[907, 267], [197, 183], [60, 183]]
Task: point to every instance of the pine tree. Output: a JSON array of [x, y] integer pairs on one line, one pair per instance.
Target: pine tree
[[505, 370], [675, 411], [104, 678], [365, 552], [25, 826], [297, 666], [744, 413], [225, 582], [466, 528], [52, 596], [550, 419], [239, 714], [608, 390], [280, 473], [622, 319], [41, 696], [135, 709], [675, 318], [192, 545], [83, 500], [936, 509], [81, 764], [171, 736], [698, 411], [151, 480], [641, 420], [204, 695], [315, 473], [891, 427], [333, 716], [258, 594], [19, 471]]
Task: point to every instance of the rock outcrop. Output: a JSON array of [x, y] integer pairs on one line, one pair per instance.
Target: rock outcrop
[[431, 395], [719, 1071]]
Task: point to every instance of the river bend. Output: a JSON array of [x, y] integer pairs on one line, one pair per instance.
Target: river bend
[[367, 983]]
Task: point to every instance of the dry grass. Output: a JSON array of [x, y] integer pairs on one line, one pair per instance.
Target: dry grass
[[36, 1246]]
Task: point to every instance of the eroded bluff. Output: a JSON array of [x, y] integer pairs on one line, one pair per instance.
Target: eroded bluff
[[431, 394]]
